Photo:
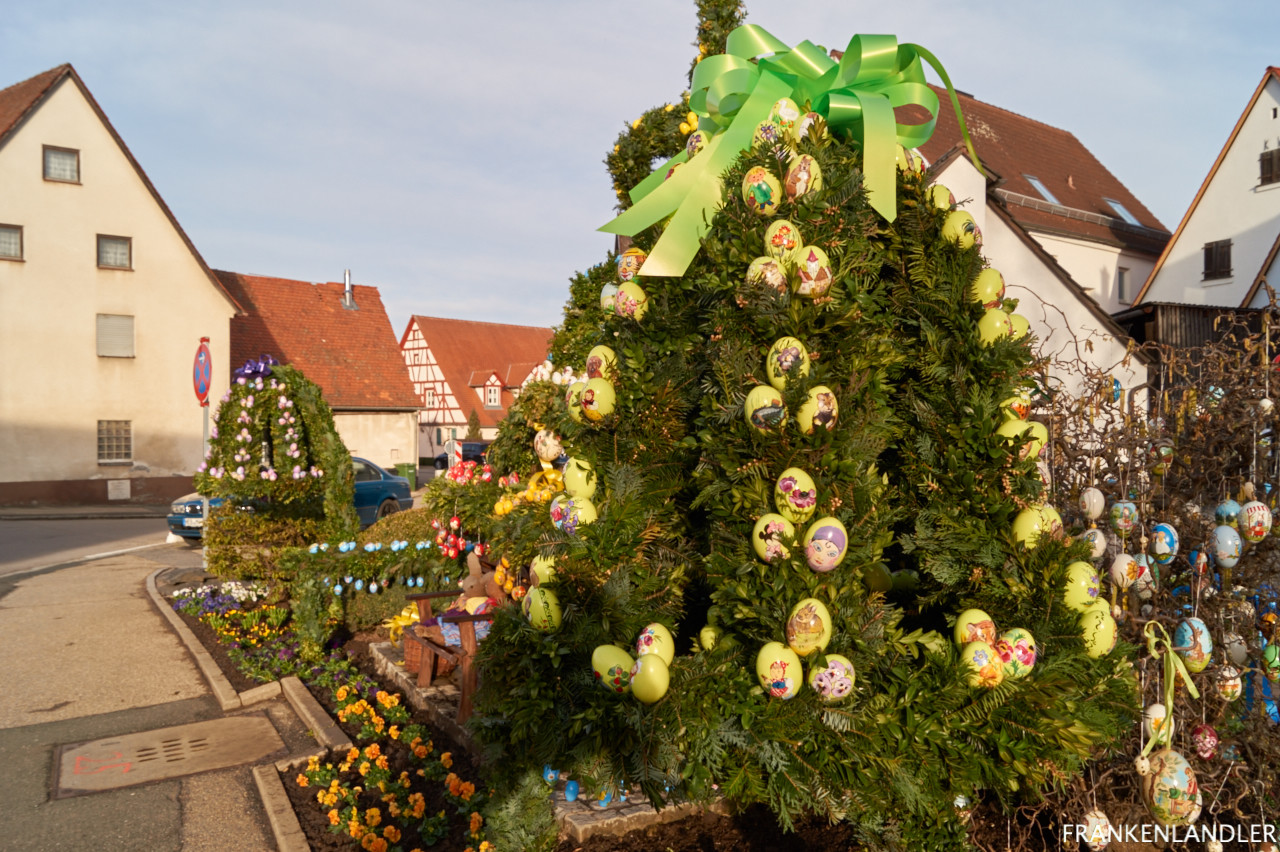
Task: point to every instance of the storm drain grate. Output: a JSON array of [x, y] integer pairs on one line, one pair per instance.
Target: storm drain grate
[[147, 756]]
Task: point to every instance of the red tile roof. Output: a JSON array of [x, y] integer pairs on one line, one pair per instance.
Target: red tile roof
[[464, 349], [20, 99], [1013, 146], [351, 354]]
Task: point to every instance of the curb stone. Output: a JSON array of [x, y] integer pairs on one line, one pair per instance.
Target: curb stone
[[275, 801]]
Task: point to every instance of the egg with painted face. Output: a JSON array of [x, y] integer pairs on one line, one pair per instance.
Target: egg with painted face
[[1082, 586], [819, 411], [656, 639], [778, 669], [1226, 546], [770, 537], [994, 325], [795, 495], [808, 627], [974, 625], [804, 175], [598, 399], [984, 664], [1017, 651], [629, 263], [813, 270], [787, 359], [579, 478], [602, 363], [1255, 520], [834, 680], [988, 288], [611, 667], [782, 240], [631, 301], [961, 229], [768, 271], [761, 191], [764, 410], [1164, 543], [825, 544]]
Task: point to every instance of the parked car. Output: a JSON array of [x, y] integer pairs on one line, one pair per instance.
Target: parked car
[[471, 451], [377, 494]]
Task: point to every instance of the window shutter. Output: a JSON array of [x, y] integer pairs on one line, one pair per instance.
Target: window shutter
[[115, 336], [1270, 166]]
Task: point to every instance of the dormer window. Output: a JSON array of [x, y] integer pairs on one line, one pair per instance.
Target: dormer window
[[1042, 189], [492, 396], [61, 164]]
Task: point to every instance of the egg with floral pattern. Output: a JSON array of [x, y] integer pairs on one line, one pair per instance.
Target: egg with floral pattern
[[770, 536], [985, 668], [787, 358], [834, 680], [1082, 586], [631, 301], [611, 667], [656, 639], [795, 495], [1017, 651], [781, 240]]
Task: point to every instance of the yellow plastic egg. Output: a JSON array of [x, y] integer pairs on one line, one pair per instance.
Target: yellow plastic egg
[[994, 325], [941, 197], [602, 363], [909, 160], [656, 639], [542, 608], [1019, 327], [810, 122], [708, 636], [1098, 629], [984, 664], [768, 271], [611, 667], [781, 240], [804, 175], [631, 301], [761, 191], [787, 358], [579, 478], [695, 143], [542, 569], [1038, 437], [764, 409], [1017, 651], [1082, 586], [820, 410], [813, 269], [598, 399], [629, 263], [795, 495], [988, 288], [808, 627], [767, 135], [1028, 526], [974, 625], [778, 669], [569, 513], [770, 536], [1052, 520], [834, 680], [573, 400], [960, 228], [825, 544], [650, 678]]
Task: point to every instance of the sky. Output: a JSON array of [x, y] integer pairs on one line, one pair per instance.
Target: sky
[[451, 154]]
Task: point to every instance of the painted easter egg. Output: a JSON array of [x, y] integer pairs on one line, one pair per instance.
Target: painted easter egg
[[542, 569], [787, 358], [1019, 326], [833, 681], [909, 160], [1028, 526], [1192, 642], [1097, 830], [974, 625], [1164, 543], [813, 269], [804, 175], [767, 135], [1016, 407], [1255, 520], [542, 608], [761, 191], [547, 446], [1098, 629], [1226, 546], [1082, 586], [602, 363], [631, 301], [768, 271], [608, 296], [573, 400], [1097, 542], [819, 411], [770, 536], [579, 478], [808, 627], [988, 288], [1205, 739], [782, 240], [629, 263], [785, 114], [1227, 513], [650, 678], [993, 325], [810, 122], [1052, 520], [1125, 570], [985, 668], [764, 409], [1271, 661], [611, 667], [942, 198], [1092, 503], [825, 544], [1124, 516], [695, 143], [778, 669], [1157, 725], [1170, 790], [656, 639], [960, 228], [795, 495], [1228, 684], [569, 513], [1017, 651], [598, 399]]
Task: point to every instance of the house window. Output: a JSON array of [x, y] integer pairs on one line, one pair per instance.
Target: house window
[[1042, 189], [115, 252], [115, 441], [430, 399], [10, 242], [1270, 161], [115, 336], [492, 397], [61, 164], [1122, 285], [1217, 259], [1122, 211]]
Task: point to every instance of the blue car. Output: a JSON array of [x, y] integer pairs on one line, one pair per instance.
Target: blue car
[[378, 494]]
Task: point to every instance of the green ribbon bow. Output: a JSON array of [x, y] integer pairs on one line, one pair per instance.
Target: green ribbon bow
[[1162, 646], [734, 91]]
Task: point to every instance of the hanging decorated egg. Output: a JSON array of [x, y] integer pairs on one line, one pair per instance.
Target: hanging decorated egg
[[568, 513], [542, 608], [1017, 651], [833, 681], [993, 325], [764, 409], [1228, 683], [804, 175], [1124, 571], [573, 400], [602, 363], [1092, 503], [1097, 830], [1237, 651], [1157, 725], [1226, 546], [1052, 520], [795, 495], [778, 669], [1124, 516], [985, 668], [1164, 543], [629, 263], [768, 271], [761, 191], [611, 667], [974, 625], [808, 627], [1145, 583], [1082, 586], [579, 478], [546, 445], [631, 301], [1170, 790], [656, 639], [960, 228], [819, 411], [1192, 642], [988, 288], [695, 143], [787, 358], [1028, 525], [1228, 513], [1205, 739], [608, 295], [825, 544], [650, 678], [1019, 326], [785, 114], [598, 399], [1016, 407], [1255, 520], [813, 269], [781, 240], [1097, 542], [1271, 661], [770, 536], [1098, 629]]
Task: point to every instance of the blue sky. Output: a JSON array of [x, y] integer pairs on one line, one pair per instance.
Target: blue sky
[[451, 153]]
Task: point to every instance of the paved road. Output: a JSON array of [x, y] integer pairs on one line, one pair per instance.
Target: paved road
[[27, 544]]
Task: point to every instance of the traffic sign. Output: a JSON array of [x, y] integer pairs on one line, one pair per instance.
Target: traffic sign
[[202, 372]]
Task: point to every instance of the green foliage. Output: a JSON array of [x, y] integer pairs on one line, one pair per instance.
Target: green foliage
[[473, 427]]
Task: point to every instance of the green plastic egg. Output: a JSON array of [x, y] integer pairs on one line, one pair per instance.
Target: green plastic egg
[[993, 326], [573, 400], [960, 228], [764, 409], [804, 175], [819, 410], [631, 301], [813, 272], [770, 536], [988, 288], [974, 625], [611, 666], [580, 478], [795, 495], [985, 667], [834, 680], [768, 271], [808, 627], [602, 363], [542, 608], [761, 191], [650, 678], [1098, 629], [656, 639], [598, 399], [1082, 586], [778, 669], [878, 578], [781, 240], [787, 358]]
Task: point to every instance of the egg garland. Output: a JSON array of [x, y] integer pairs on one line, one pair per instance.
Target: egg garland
[[804, 176], [768, 271], [960, 228], [769, 537], [781, 240], [764, 410], [611, 667], [825, 544], [819, 410], [795, 495], [813, 269], [834, 680], [761, 191], [787, 358], [778, 669], [808, 627]]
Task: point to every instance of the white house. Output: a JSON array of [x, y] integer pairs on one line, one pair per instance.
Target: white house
[[1227, 243], [103, 303]]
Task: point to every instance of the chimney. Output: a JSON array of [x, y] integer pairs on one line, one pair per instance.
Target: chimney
[[348, 292]]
